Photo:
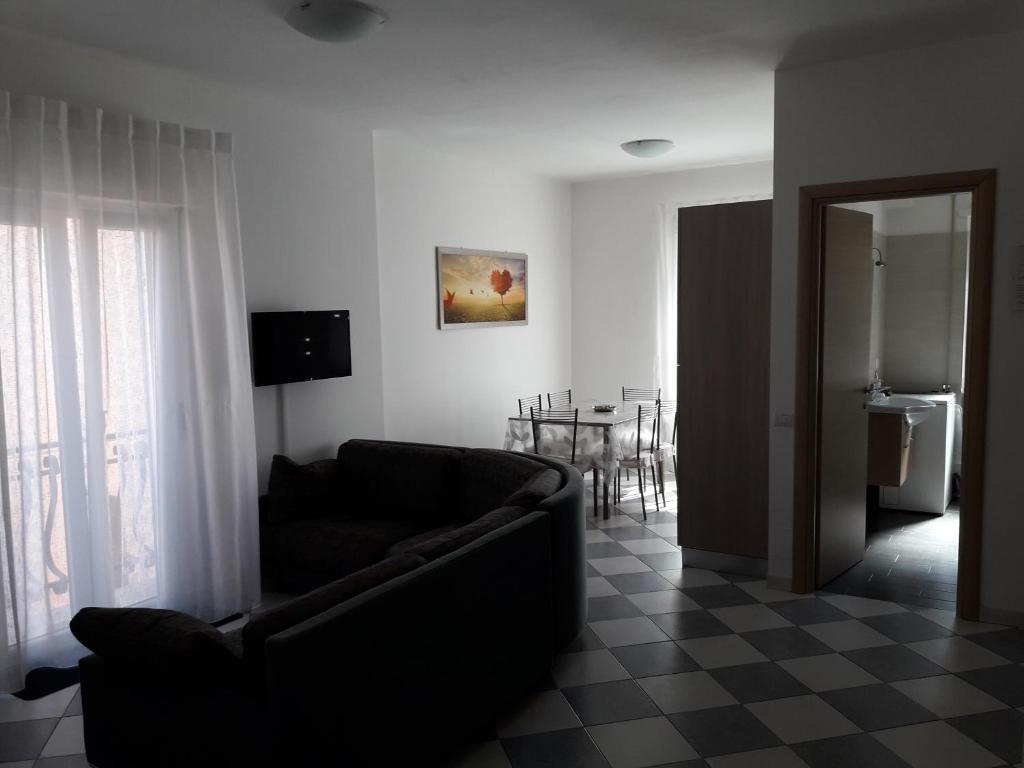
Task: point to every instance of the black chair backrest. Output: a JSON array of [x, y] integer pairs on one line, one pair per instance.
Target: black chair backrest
[[667, 413], [646, 414], [560, 399], [632, 394], [566, 417], [527, 402]]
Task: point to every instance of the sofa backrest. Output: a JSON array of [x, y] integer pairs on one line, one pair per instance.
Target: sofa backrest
[[400, 480], [490, 477], [264, 624]]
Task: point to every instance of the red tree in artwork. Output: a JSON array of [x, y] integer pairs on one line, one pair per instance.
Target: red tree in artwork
[[501, 282]]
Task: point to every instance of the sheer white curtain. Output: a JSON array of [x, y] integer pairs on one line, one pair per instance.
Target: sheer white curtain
[[666, 287], [127, 473]]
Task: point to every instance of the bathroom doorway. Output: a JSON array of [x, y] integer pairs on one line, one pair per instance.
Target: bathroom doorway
[[892, 369]]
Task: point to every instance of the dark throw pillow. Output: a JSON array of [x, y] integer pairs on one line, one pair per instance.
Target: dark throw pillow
[[156, 639], [535, 490], [302, 491], [448, 542]]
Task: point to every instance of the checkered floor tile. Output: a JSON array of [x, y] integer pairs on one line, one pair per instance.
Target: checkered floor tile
[[684, 667]]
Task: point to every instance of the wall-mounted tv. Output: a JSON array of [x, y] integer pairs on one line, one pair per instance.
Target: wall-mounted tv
[[300, 346]]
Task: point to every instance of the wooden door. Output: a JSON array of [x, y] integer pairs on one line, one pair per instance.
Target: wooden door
[[845, 365], [725, 254]]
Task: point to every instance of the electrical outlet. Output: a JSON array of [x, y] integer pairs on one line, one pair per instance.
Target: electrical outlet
[[783, 419]]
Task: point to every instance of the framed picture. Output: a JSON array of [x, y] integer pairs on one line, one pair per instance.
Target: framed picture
[[476, 289]]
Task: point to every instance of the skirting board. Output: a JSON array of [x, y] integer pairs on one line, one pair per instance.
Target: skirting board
[[720, 561], [1000, 616]]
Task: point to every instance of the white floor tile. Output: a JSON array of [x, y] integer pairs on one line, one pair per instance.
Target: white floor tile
[[948, 696], [776, 757], [957, 654], [827, 672], [721, 651], [669, 601], [616, 521], [665, 529], [847, 635], [638, 743], [489, 754], [859, 607], [67, 738], [610, 566], [802, 718], [949, 620], [686, 692], [13, 709], [19, 764], [595, 537], [586, 668], [541, 712], [648, 546], [693, 577], [750, 618], [599, 586], [765, 594], [616, 632], [936, 745]]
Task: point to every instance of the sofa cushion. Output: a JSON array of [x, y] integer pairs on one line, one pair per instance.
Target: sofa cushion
[[157, 640], [405, 545], [301, 491], [545, 483], [489, 477], [402, 480], [264, 624], [334, 547], [441, 545]]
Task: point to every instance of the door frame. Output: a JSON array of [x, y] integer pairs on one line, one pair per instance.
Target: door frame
[[807, 413]]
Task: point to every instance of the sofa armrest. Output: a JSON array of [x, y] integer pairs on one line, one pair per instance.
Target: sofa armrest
[[442, 649]]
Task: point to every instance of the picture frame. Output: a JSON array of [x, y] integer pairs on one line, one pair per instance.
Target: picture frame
[[481, 289]]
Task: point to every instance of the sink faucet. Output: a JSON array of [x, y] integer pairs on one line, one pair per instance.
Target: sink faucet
[[877, 389]]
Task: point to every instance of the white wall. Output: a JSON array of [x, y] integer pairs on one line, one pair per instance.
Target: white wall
[[950, 107], [459, 386], [615, 246], [305, 191]]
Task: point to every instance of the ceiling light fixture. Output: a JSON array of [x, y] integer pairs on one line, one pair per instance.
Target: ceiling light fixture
[[648, 148], [335, 21]]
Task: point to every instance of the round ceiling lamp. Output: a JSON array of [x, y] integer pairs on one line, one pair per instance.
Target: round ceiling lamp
[[647, 148], [335, 21]]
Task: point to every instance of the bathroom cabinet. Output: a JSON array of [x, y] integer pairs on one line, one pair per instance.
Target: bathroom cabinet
[[888, 449]]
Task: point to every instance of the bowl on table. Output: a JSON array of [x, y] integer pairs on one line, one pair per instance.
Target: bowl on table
[[605, 408]]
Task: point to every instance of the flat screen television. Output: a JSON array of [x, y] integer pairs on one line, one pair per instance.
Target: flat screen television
[[300, 346]]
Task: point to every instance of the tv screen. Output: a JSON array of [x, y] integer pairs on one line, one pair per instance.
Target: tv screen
[[300, 346]]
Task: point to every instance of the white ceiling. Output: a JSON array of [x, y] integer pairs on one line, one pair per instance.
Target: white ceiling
[[553, 86]]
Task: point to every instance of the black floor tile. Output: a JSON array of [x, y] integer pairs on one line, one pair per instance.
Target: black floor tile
[[1004, 683], [587, 640], [610, 702], [630, 533], [1001, 733], [557, 749], [857, 751], [1008, 643], [894, 662], [611, 607], [653, 659], [606, 549], [723, 730], [758, 682], [874, 707], [811, 610], [786, 643], [906, 627], [24, 740], [689, 624], [65, 761], [736, 578], [592, 571], [721, 596], [634, 583]]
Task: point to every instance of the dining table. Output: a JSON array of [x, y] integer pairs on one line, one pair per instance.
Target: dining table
[[603, 436]]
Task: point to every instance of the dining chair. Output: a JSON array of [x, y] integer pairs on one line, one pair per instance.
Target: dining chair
[[527, 402], [560, 399], [632, 394], [665, 443], [567, 418], [644, 457]]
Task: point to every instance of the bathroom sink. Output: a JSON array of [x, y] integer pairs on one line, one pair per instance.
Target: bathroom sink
[[915, 409]]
